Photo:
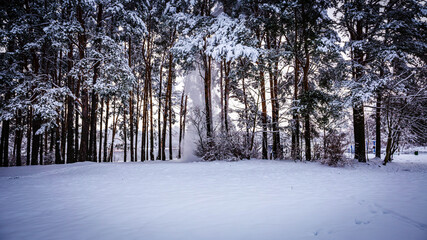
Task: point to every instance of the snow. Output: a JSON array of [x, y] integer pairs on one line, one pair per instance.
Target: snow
[[253, 199]]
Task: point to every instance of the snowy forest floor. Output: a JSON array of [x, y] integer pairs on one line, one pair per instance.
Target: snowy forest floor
[[253, 199]]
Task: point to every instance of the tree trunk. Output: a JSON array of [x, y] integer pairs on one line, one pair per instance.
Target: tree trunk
[[36, 142], [45, 141], [76, 126], [295, 148], [94, 95], [144, 121], [388, 154], [358, 112], [76, 129], [138, 106], [84, 140], [170, 127], [107, 112], [137, 123], [245, 100], [5, 143], [184, 119], [307, 135], [264, 116], [125, 147], [29, 130], [359, 133], [359, 123], [57, 145], [64, 135], [221, 90], [208, 97], [59, 122], [18, 138], [70, 108], [378, 126], [276, 130], [226, 93], [276, 153], [113, 135], [273, 72], [93, 117], [52, 140], [181, 112], [100, 131], [151, 117], [41, 161], [159, 153], [166, 109], [36, 122], [131, 127]]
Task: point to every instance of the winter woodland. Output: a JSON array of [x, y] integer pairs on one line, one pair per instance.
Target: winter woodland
[[195, 96], [84, 80]]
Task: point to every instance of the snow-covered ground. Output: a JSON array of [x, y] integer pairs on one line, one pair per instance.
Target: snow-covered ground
[[256, 199]]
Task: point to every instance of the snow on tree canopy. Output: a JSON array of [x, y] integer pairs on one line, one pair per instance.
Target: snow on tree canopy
[[226, 38]]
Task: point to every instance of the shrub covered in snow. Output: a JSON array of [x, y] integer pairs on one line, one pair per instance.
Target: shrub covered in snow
[[222, 147], [335, 146]]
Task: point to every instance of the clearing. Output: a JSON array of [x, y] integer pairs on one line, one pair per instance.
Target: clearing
[[254, 199]]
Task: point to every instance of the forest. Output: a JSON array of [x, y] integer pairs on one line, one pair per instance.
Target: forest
[[84, 80]]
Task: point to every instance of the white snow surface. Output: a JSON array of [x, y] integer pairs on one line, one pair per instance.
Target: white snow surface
[[252, 199]]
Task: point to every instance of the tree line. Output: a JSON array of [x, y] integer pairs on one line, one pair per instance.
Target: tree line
[[77, 75]]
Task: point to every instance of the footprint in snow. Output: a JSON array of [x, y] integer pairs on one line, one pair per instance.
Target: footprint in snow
[[317, 232], [403, 218], [359, 222]]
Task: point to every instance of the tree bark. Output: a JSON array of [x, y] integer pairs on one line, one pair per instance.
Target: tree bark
[[137, 122], [70, 108], [166, 109], [144, 120], [208, 97], [63, 135], [131, 124], [221, 90], [5, 143], [84, 140], [125, 147], [107, 112], [378, 126], [151, 118], [181, 112], [307, 130], [36, 142], [100, 131], [359, 132], [93, 114], [295, 148], [57, 145], [18, 137], [245, 101], [113, 135], [170, 127], [29, 130], [264, 116], [358, 112], [226, 92], [41, 161], [36, 122], [159, 153], [272, 43]]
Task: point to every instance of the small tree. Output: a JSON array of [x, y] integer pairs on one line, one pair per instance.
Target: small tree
[[335, 148]]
